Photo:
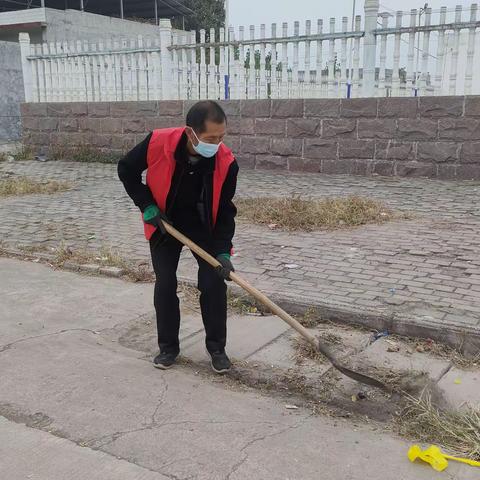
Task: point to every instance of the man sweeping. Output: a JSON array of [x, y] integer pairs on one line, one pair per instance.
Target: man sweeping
[[190, 183]]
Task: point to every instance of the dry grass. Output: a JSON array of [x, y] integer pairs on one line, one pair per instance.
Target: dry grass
[[296, 213], [304, 349], [106, 257], [16, 186], [3, 157], [310, 318], [25, 153], [458, 432], [82, 153]]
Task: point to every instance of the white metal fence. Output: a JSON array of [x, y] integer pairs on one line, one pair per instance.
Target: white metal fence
[[425, 52]]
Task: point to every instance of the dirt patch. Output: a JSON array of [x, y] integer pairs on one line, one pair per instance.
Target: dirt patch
[[34, 420], [140, 335], [296, 213]]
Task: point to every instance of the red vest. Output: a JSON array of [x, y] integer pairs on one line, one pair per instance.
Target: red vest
[[161, 167]]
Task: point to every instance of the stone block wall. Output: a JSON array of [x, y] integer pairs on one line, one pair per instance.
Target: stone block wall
[[437, 137]]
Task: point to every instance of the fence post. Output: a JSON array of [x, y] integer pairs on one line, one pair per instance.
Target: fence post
[[166, 59], [370, 47], [24, 40]]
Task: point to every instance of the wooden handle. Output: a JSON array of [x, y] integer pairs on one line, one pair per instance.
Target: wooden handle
[[248, 288], [359, 377]]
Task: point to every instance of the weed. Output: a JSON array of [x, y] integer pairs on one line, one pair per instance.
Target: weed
[[82, 153], [458, 432], [25, 186], [296, 213], [23, 154]]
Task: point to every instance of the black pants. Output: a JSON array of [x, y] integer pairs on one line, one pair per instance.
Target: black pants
[[213, 296]]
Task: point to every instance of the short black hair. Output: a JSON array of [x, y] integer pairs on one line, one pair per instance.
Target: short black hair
[[202, 111]]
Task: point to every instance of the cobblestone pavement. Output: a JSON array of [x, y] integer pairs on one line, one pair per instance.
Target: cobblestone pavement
[[423, 274]]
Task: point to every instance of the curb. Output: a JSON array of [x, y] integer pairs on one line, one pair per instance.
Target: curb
[[466, 340], [91, 268]]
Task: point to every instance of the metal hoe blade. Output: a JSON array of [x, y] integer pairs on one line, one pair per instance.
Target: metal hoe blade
[[357, 376]]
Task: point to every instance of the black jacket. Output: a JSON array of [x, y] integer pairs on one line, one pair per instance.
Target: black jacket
[[189, 201]]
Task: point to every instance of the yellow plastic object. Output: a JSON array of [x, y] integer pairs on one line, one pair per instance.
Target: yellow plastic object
[[436, 458]]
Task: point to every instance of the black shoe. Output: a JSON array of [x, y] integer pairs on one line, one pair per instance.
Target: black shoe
[[220, 362], [164, 360]]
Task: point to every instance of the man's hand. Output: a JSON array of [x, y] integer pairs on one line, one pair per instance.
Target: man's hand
[[226, 266], [154, 216]]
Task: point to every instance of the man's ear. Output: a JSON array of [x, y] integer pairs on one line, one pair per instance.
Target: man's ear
[[190, 134]]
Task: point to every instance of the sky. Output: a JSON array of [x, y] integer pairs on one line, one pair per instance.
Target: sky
[[256, 12]]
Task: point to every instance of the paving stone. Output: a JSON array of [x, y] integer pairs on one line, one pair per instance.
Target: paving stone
[[242, 344], [278, 353], [111, 271], [377, 354], [462, 387], [444, 228], [90, 268]]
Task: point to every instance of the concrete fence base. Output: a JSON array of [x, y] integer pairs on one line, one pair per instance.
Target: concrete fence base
[[436, 137]]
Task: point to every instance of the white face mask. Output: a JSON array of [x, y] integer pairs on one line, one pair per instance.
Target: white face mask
[[204, 149]]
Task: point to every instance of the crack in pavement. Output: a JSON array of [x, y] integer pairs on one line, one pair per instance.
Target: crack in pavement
[[59, 332], [237, 465], [7, 346], [58, 434]]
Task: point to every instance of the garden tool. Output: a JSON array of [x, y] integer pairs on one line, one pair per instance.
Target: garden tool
[[274, 308], [436, 458]]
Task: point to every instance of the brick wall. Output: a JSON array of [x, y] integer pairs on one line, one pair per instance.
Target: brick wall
[[409, 137]]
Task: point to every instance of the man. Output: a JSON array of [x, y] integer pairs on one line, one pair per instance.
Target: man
[[190, 182]]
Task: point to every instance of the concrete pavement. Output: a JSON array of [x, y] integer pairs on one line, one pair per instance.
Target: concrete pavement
[[419, 277], [77, 402]]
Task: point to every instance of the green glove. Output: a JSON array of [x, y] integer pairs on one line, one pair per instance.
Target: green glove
[[154, 216], [225, 267]]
